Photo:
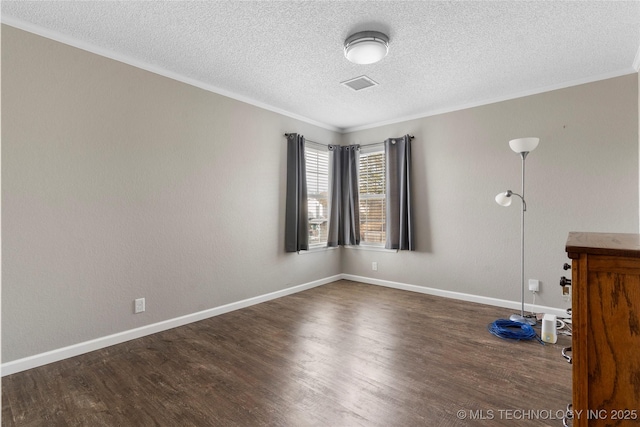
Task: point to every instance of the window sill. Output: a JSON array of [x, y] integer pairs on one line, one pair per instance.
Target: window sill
[[371, 248], [316, 249]]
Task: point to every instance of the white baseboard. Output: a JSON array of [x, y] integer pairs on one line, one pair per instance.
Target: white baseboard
[[513, 305], [98, 343], [56, 355]]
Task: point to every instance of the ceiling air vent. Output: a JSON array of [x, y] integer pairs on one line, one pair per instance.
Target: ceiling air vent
[[359, 83]]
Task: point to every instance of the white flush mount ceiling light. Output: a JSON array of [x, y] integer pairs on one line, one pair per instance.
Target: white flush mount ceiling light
[[366, 47]]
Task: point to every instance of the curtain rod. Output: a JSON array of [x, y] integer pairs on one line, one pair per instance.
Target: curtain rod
[[313, 142], [410, 136]]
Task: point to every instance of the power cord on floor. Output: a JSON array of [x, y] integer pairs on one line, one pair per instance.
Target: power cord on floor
[[563, 325], [508, 329]]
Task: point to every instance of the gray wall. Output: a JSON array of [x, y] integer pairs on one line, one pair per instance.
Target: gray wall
[[582, 177], [118, 183]]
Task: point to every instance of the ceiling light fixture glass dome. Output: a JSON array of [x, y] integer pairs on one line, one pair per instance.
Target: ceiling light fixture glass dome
[[366, 47]]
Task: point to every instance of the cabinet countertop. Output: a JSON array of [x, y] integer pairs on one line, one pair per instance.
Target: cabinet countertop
[[614, 244]]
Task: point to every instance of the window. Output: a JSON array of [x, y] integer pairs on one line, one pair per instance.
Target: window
[[372, 193], [317, 164]]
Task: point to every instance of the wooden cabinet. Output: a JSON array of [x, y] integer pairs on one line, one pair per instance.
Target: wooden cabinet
[[606, 328]]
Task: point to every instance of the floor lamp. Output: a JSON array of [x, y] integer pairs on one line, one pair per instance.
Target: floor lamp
[[522, 146]]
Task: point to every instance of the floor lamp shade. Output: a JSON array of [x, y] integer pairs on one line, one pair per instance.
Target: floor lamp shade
[[524, 145], [504, 199]]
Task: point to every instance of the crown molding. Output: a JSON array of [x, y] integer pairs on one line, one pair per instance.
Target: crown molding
[[71, 41], [107, 53], [453, 108]]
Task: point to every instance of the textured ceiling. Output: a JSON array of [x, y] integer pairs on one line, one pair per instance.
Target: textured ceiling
[[287, 55]]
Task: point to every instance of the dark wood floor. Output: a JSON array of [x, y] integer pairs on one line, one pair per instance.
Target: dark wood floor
[[343, 354]]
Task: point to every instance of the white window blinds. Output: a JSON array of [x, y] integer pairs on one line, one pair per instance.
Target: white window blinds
[[317, 164], [372, 192]]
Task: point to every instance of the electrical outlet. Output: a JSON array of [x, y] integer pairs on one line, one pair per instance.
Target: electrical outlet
[[139, 305], [534, 285], [374, 266]]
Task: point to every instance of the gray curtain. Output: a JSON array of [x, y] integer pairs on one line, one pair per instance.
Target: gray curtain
[[297, 210], [398, 181], [344, 215]]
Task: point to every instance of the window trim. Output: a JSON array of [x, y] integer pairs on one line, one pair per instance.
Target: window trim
[[370, 247], [368, 149], [311, 146]]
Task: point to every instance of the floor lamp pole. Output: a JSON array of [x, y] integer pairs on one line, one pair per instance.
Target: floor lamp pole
[[515, 317]]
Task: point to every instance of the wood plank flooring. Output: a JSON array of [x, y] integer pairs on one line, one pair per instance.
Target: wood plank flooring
[[343, 354]]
